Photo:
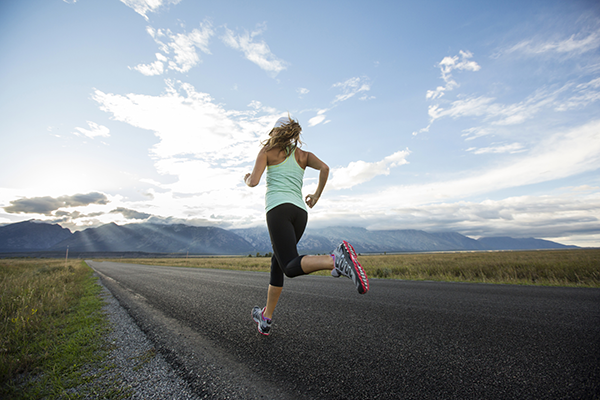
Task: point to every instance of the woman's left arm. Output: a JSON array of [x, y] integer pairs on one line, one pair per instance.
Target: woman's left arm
[[260, 164]]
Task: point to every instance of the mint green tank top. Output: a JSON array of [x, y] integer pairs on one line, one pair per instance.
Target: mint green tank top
[[284, 183]]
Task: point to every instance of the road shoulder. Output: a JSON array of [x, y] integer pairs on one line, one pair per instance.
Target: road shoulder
[[142, 371], [196, 366]]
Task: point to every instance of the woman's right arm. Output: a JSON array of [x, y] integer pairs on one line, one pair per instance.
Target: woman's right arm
[[315, 163], [253, 179]]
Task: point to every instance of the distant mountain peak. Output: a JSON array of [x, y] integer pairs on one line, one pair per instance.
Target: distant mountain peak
[[31, 235]]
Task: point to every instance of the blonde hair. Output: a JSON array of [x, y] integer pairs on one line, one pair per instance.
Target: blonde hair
[[285, 137]]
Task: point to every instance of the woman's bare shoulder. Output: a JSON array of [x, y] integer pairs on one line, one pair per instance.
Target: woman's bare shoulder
[[274, 155], [302, 157]]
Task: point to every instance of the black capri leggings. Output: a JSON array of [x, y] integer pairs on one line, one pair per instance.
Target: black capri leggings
[[286, 224]]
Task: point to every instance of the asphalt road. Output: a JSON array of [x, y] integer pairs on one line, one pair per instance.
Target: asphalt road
[[402, 340]]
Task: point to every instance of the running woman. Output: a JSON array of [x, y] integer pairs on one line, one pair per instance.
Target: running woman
[[287, 216]]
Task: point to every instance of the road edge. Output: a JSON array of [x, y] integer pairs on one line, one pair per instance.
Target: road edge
[[205, 370]]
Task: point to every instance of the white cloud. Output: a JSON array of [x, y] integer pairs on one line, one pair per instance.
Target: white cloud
[[493, 113], [316, 120], [475, 132], [350, 88], [302, 91], [560, 155], [94, 131], [575, 45], [508, 148], [479, 106], [584, 94], [204, 148], [179, 49], [365, 97], [197, 176], [156, 68], [257, 52], [184, 46], [437, 93], [498, 113], [188, 122], [358, 172], [143, 7], [447, 65], [548, 216], [569, 95], [320, 117], [422, 130]]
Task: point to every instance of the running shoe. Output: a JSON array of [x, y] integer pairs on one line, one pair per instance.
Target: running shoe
[[346, 263], [264, 324]]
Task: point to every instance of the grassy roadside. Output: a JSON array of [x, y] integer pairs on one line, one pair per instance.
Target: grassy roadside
[[52, 331], [580, 267]]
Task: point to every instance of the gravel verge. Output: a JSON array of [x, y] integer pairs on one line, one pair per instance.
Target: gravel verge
[[141, 371]]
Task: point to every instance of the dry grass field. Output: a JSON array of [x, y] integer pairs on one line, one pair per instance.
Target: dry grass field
[[580, 267], [547, 267]]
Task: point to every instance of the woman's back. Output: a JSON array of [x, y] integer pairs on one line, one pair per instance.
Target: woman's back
[[284, 181], [277, 156]]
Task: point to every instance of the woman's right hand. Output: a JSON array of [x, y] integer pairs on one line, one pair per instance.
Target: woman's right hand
[[311, 200]]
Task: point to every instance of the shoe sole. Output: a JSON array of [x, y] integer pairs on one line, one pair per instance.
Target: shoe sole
[[258, 324], [363, 281]]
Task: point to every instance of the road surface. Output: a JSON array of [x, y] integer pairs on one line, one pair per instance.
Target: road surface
[[402, 340]]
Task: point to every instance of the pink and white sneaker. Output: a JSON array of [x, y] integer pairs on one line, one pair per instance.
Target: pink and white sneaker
[[346, 263]]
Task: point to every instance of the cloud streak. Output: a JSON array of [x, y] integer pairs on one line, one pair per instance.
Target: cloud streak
[[358, 172], [560, 155], [47, 205], [448, 64], [255, 51], [94, 131], [495, 114], [349, 88], [507, 148], [144, 7], [548, 216], [319, 118], [180, 49], [130, 214], [461, 62], [575, 45]]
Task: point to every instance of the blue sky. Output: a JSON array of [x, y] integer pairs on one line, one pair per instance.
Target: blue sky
[[469, 116]]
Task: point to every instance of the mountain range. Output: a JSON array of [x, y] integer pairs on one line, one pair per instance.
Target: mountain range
[[34, 236]]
